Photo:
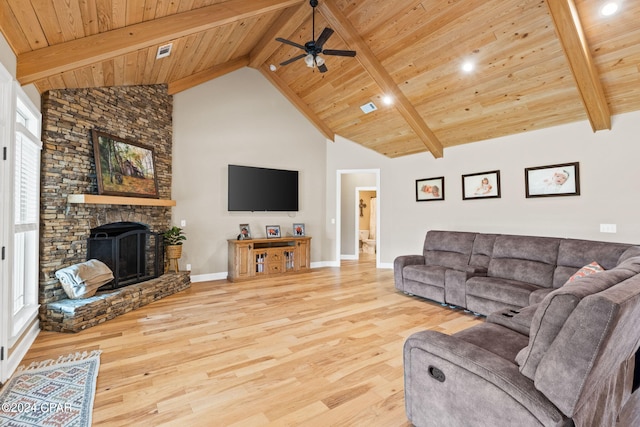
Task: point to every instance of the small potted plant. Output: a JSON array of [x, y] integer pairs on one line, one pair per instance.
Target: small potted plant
[[173, 239]]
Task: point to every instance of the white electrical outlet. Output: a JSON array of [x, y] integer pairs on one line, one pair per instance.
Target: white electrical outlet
[[608, 228], [183, 223], [188, 267]]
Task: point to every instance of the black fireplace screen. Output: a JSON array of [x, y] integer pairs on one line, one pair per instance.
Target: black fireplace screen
[[130, 249]]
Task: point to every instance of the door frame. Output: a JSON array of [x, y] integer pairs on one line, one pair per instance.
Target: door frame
[[338, 240]]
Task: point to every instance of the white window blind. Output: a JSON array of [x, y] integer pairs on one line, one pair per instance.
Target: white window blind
[[26, 200]]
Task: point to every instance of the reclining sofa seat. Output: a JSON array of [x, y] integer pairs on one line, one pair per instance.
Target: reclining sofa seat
[[575, 367], [424, 275]]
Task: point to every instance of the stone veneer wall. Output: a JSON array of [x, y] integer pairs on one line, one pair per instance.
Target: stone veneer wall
[[142, 114]]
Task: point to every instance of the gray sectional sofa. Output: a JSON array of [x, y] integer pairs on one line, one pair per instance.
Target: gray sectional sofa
[[557, 352], [489, 272]]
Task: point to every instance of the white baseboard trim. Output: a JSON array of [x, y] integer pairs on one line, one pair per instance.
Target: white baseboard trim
[[208, 277], [349, 257], [223, 275], [325, 264], [386, 265]]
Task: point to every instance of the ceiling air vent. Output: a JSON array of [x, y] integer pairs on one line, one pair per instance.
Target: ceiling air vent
[[368, 107], [164, 51]]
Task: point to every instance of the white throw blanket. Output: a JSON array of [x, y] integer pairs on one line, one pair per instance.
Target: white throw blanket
[[83, 280]]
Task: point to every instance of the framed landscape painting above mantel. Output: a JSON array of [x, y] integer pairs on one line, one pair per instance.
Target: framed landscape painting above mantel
[[124, 168]]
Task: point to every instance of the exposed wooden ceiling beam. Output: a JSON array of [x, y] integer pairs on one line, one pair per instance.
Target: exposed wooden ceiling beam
[[55, 59], [297, 102], [372, 65], [284, 26], [206, 75], [573, 41]]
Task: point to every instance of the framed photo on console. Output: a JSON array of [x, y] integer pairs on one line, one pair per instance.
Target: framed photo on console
[[124, 168], [430, 189], [273, 231], [483, 185], [245, 232], [298, 229], [552, 180]]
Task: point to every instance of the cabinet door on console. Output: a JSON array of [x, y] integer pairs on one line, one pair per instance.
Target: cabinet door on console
[[304, 248], [241, 262]]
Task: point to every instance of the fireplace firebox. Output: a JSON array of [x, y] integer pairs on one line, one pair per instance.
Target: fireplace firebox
[[133, 252]]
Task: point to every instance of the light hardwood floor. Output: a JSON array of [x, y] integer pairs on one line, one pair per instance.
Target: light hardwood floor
[[314, 349]]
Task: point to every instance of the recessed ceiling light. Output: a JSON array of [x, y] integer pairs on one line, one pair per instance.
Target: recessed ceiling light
[[609, 8], [272, 67], [468, 67], [387, 100]]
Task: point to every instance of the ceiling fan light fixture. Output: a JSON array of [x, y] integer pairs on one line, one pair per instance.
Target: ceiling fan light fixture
[[309, 60]]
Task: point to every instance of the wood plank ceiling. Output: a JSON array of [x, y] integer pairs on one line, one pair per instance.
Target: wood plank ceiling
[[538, 63]]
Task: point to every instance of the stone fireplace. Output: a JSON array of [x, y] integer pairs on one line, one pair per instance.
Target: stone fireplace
[[141, 114]]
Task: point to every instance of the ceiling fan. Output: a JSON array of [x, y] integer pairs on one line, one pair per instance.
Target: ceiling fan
[[314, 48]]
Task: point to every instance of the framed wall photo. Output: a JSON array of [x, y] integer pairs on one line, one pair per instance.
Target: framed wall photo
[[273, 231], [245, 232], [124, 168], [298, 229], [552, 180], [483, 185], [430, 189]]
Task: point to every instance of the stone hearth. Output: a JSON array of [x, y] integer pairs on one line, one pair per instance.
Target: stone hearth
[[68, 315]]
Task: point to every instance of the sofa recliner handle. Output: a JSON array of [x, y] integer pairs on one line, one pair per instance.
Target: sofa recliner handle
[[436, 373]]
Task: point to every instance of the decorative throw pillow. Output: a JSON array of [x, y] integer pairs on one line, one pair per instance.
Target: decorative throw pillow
[[588, 269]]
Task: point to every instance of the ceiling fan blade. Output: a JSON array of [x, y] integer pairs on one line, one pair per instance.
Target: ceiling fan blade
[[295, 58], [339, 52], [322, 68], [326, 33], [289, 42]]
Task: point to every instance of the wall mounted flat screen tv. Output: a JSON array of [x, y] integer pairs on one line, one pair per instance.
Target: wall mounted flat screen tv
[[261, 189]]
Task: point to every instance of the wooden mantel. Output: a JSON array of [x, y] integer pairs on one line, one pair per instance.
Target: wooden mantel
[[95, 199]]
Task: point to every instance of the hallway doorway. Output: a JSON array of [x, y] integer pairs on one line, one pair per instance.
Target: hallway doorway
[[348, 183]]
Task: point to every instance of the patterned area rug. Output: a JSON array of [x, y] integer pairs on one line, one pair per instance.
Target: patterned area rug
[[53, 393]]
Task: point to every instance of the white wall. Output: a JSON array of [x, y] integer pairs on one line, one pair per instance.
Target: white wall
[[9, 60], [242, 119], [609, 177]]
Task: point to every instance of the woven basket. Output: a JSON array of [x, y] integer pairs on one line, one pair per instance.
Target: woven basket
[[174, 251]]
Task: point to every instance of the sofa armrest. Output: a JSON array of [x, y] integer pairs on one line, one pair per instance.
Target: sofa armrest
[[449, 381], [399, 263]]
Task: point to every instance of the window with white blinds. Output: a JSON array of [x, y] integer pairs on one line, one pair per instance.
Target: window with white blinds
[[26, 199]]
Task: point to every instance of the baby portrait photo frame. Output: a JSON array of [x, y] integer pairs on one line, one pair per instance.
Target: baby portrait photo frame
[[552, 180], [430, 189], [482, 185]]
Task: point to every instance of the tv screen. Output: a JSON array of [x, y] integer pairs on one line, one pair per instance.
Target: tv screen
[[261, 189]]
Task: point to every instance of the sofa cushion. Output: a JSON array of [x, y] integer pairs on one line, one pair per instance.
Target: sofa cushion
[[510, 292], [429, 274], [524, 259], [502, 342], [554, 310], [482, 250], [448, 248], [573, 254], [599, 338]]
